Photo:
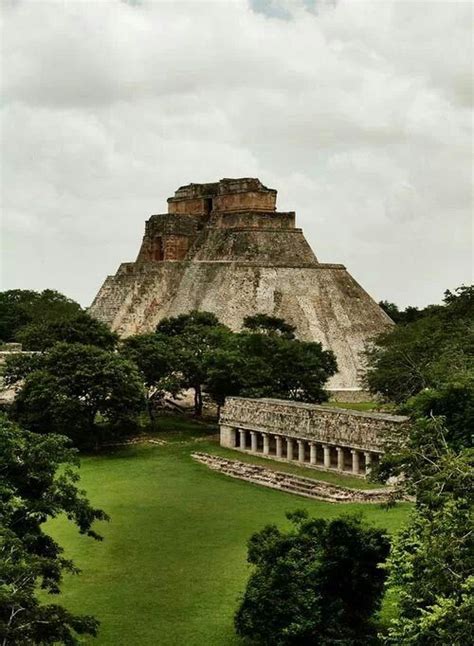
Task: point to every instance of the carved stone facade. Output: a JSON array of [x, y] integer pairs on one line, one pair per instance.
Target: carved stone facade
[[223, 247], [317, 436]]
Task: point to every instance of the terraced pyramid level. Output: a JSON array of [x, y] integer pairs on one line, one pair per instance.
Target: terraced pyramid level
[[223, 248]]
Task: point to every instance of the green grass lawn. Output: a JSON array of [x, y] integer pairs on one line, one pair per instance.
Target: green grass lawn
[[173, 561], [371, 406]]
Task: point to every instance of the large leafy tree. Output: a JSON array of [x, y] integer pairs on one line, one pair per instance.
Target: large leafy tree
[[19, 307], [229, 371], [154, 356], [262, 361], [38, 481], [286, 368], [426, 353], [454, 403], [80, 328], [72, 386], [432, 562], [193, 338], [319, 583]]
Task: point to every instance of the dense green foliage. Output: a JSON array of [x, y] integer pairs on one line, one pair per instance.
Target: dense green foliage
[[263, 361], [426, 365], [80, 328], [266, 324], [153, 354], [319, 583], [194, 337], [408, 315], [20, 307], [435, 349], [71, 385], [454, 402], [432, 563], [285, 368], [38, 482]]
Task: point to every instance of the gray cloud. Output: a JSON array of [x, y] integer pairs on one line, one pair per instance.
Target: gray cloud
[[358, 113]]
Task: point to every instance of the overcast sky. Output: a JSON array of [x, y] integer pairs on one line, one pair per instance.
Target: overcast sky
[[358, 113]]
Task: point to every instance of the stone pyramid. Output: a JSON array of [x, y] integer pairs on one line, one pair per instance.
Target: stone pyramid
[[223, 247]]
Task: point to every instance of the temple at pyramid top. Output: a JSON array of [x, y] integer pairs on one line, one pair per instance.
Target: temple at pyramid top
[[246, 193], [233, 219]]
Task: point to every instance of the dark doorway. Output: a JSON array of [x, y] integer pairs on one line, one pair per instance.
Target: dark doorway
[[207, 205]]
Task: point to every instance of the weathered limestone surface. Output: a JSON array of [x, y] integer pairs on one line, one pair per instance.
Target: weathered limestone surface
[[323, 424], [223, 247]]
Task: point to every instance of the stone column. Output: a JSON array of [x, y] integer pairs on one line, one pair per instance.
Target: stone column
[[355, 461], [368, 462], [327, 456], [289, 448], [243, 439], [278, 446], [300, 450], [227, 436], [340, 458], [253, 441], [312, 453], [266, 444]]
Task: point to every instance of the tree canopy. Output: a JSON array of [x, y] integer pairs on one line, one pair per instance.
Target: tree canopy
[[71, 384], [77, 328], [432, 350], [431, 567], [38, 482], [193, 337], [266, 324], [153, 354], [264, 360], [319, 583], [19, 307]]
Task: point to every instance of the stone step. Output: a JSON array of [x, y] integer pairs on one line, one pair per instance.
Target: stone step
[[288, 482]]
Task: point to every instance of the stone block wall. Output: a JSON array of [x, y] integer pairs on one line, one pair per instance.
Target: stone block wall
[[322, 424]]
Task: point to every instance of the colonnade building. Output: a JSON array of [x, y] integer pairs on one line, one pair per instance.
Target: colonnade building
[[322, 437]]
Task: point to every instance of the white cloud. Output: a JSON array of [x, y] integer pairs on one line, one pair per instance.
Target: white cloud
[[357, 112]]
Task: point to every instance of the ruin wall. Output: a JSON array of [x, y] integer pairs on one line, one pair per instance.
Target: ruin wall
[[325, 424]]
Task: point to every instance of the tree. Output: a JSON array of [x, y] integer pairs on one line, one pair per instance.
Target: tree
[[454, 403], [409, 314], [319, 583], [153, 355], [429, 352], [39, 482], [391, 309], [74, 385], [264, 362], [265, 324], [227, 372], [18, 307], [193, 337], [81, 328], [431, 567], [286, 368]]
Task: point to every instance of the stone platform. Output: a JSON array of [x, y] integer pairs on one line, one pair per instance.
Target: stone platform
[[290, 483]]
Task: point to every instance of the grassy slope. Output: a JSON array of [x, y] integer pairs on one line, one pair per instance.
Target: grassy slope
[[172, 564]]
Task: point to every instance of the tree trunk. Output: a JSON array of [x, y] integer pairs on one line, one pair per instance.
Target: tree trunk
[[150, 409], [92, 427], [197, 401]]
